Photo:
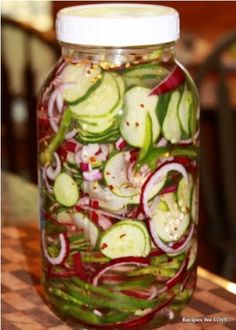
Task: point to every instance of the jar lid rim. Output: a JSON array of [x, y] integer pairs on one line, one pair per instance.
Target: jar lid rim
[[117, 24]]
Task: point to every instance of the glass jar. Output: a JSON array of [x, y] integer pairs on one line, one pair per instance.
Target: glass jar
[[118, 122]]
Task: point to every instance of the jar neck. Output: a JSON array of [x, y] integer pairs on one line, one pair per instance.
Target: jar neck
[[118, 56]]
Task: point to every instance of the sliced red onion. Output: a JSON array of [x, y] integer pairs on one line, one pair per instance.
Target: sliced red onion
[[190, 141], [89, 151], [59, 69], [93, 175], [85, 167], [153, 292], [120, 144], [64, 250], [137, 261], [137, 294], [59, 101], [103, 153], [104, 222], [71, 134], [168, 189], [45, 179], [175, 78], [51, 172], [77, 157], [154, 179], [162, 143], [51, 115], [78, 265], [167, 249], [84, 201]]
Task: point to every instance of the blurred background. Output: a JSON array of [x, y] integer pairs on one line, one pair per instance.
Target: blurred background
[[207, 48]]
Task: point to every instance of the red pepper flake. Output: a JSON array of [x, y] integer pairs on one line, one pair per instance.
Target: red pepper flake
[[88, 72], [142, 105], [110, 187], [123, 235], [127, 123], [104, 246], [137, 124]]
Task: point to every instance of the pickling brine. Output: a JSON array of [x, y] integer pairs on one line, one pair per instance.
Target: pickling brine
[[118, 173]]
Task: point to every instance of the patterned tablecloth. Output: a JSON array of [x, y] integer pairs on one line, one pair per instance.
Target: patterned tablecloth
[[23, 308]]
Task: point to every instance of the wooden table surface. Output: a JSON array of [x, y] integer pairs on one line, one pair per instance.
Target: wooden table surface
[[212, 307]]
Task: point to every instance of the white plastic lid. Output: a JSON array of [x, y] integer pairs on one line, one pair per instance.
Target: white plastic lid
[[117, 25]]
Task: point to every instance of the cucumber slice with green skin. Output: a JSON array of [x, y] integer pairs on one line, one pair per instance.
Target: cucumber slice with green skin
[[120, 82], [107, 200], [91, 232], [171, 126], [146, 75], [162, 106], [138, 103], [84, 80], [102, 127], [109, 138], [194, 204], [170, 225], [148, 138], [65, 190], [185, 111], [147, 80], [115, 175], [110, 135], [184, 194], [192, 254], [102, 101], [192, 120], [125, 238]]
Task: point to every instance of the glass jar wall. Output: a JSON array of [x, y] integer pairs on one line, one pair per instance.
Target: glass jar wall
[[118, 173]]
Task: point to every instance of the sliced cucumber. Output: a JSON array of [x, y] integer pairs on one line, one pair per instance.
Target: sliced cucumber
[[148, 138], [120, 82], [192, 120], [162, 106], [109, 135], [102, 101], [125, 238], [101, 127], [184, 194], [115, 175], [107, 200], [194, 204], [81, 80], [90, 230], [184, 111], [138, 103], [170, 224], [145, 75], [65, 190], [171, 126], [192, 254]]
